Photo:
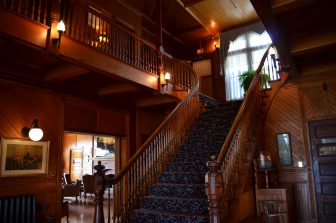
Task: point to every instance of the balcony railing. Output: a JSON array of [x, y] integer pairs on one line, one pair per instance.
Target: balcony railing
[[90, 27], [37, 10]]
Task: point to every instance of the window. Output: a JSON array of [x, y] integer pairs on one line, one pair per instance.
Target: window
[[244, 54]]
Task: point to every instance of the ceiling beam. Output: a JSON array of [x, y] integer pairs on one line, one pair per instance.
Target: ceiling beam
[[187, 3], [64, 72], [116, 89], [312, 41], [196, 18], [264, 11], [279, 6]]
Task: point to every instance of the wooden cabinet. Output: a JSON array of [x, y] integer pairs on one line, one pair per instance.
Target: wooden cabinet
[[271, 203]]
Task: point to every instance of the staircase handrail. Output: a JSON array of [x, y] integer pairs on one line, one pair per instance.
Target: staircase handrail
[[155, 133], [223, 172], [243, 108], [178, 69], [140, 170]]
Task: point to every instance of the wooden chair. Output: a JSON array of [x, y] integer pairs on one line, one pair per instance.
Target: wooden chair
[[72, 190], [66, 178], [273, 211], [88, 184]]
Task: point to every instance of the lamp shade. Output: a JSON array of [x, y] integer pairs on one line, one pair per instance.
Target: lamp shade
[[35, 134], [61, 26], [167, 76]]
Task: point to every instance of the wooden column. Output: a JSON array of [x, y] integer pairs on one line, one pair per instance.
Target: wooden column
[[214, 190], [99, 193]]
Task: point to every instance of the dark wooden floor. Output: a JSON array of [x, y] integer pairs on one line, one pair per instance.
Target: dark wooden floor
[[82, 211]]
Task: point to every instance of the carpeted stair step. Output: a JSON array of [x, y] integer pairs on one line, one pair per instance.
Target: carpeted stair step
[[178, 190], [187, 158], [182, 178], [195, 155], [186, 167], [179, 196], [149, 216], [175, 205]]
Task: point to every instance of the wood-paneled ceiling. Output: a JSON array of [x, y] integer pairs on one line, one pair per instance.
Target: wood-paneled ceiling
[[192, 20]]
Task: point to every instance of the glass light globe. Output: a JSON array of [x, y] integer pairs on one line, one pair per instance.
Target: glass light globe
[[35, 134]]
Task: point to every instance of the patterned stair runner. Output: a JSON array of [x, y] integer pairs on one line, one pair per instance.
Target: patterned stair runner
[[179, 196]]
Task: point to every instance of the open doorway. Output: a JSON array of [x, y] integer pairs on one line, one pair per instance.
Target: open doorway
[[81, 152]]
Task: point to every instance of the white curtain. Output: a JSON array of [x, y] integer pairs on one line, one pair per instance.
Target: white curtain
[[244, 54]]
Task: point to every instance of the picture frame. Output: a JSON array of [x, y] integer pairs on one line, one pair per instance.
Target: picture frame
[[284, 149], [22, 157]]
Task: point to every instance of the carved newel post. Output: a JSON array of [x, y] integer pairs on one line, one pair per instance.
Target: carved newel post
[[214, 189], [99, 193]]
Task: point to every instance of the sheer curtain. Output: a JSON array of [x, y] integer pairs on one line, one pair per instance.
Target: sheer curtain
[[244, 50]]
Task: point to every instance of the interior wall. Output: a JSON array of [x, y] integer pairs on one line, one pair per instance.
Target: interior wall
[[72, 141], [19, 106], [146, 123], [307, 98]]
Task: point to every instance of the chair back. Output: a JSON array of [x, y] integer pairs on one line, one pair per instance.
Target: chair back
[[88, 184], [66, 178]]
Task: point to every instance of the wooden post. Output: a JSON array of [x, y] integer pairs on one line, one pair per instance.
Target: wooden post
[[99, 193], [214, 190]]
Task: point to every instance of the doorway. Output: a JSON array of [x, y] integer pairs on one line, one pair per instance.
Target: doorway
[[81, 152], [322, 135]]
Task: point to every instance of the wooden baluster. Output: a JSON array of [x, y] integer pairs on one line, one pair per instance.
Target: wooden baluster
[[99, 193], [214, 184]]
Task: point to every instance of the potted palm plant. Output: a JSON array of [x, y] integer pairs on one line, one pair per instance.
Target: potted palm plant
[[246, 78]]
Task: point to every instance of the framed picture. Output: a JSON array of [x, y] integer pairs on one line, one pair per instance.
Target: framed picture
[[21, 157], [284, 149]]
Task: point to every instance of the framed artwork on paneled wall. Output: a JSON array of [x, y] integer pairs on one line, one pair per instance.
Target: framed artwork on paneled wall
[[284, 149], [22, 157]]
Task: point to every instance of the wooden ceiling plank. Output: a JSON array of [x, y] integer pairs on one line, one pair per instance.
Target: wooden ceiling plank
[[187, 3], [64, 72], [116, 89], [264, 11], [196, 18]]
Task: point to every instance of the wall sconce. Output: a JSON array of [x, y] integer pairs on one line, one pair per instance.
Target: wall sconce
[[60, 30], [34, 132], [215, 45], [167, 78]]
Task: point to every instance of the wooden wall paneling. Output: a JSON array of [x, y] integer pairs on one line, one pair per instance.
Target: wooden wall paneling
[[315, 102], [20, 104], [285, 116], [206, 85], [144, 127], [70, 141], [80, 118], [302, 200], [111, 122], [331, 94]]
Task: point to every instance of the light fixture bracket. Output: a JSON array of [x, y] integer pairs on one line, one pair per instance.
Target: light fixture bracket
[[27, 132]]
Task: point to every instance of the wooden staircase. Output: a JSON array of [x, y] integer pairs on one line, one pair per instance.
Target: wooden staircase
[[229, 182]]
